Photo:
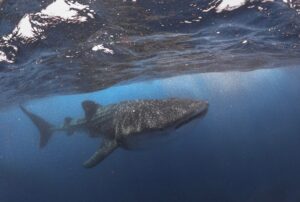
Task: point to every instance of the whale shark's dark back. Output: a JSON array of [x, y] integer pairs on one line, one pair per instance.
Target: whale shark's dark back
[[119, 122], [134, 117]]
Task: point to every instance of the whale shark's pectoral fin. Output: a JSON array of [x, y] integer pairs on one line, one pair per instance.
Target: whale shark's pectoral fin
[[107, 147]]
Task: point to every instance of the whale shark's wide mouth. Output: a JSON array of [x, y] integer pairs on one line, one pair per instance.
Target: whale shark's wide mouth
[[200, 112]]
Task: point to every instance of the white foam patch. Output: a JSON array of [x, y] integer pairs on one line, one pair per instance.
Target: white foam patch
[[295, 4], [24, 29], [66, 10], [3, 57], [57, 12], [229, 5], [101, 47], [32, 26]]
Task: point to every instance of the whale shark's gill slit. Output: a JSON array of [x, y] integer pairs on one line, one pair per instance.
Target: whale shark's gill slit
[[43, 126]]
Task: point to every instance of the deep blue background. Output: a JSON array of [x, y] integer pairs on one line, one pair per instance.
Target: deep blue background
[[245, 149]]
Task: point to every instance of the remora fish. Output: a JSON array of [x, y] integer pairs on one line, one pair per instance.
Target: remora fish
[[116, 123]]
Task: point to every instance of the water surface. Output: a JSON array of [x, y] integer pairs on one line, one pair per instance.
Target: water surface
[[64, 47]]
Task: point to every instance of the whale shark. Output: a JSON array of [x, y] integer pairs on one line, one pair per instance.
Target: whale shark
[[118, 123]]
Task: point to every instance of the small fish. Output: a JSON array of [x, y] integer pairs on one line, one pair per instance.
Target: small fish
[[117, 123]]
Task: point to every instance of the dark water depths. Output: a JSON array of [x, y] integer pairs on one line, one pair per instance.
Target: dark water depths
[[58, 47], [245, 149]]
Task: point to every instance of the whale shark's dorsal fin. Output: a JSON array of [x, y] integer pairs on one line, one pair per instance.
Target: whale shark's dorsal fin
[[107, 147], [90, 108]]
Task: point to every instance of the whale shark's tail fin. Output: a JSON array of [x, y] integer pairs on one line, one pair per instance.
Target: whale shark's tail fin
[[45, 128], [107, 147]]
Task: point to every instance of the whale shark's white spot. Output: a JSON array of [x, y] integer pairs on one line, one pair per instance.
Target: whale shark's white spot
[[101, 47]]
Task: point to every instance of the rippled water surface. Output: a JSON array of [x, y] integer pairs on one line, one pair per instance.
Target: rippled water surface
[[58, 47]]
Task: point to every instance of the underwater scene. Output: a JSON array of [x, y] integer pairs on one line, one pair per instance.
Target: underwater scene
[[149, 100]]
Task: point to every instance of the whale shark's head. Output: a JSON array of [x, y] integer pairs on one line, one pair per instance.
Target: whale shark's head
[[188, 110], [143, 116], [161, 117]]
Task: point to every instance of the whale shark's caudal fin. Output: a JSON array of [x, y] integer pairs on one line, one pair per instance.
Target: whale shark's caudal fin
[[44, 127], [107, 147]]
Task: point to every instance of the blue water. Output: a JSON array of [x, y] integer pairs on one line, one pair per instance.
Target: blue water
[[246, 148], [241, 56]]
